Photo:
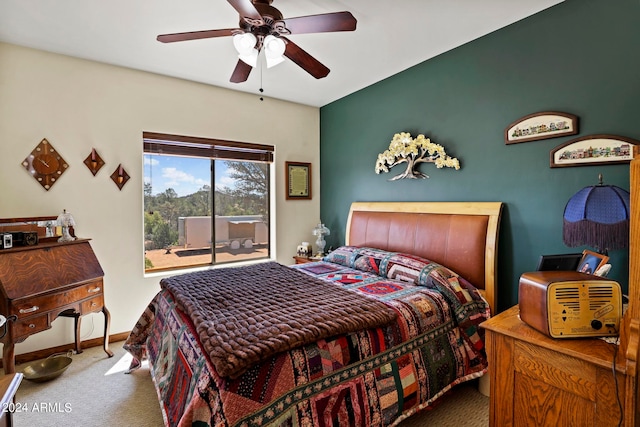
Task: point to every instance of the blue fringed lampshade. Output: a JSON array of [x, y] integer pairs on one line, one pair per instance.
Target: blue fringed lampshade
[[598, 216]]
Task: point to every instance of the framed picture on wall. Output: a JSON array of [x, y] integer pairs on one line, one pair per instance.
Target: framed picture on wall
[[543, 125], [298, 180], [594, 150]]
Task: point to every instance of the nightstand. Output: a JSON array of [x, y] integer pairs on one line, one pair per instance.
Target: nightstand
[[542, 381], [305, 259]]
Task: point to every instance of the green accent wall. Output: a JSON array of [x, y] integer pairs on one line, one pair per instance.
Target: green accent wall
[[579, 57]]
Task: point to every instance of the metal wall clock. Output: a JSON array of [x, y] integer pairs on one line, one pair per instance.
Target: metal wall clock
[[45, 164]]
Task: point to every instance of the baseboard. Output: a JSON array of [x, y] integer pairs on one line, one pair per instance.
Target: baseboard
[[44, 353]]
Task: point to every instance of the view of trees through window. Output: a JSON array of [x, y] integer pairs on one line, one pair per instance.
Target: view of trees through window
[[180, 195]]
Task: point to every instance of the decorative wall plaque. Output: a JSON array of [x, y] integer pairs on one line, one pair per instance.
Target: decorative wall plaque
[[94, 162], [120, 176]]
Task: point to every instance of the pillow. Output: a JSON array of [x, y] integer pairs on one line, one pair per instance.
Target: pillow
[[341, 256], [363, 259], [370, 260], [392, 265], [458, 289], [405, 267], [416, 270]]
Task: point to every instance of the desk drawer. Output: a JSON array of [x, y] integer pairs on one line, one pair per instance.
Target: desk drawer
[[53, 301], [31, 325], [92, 305]]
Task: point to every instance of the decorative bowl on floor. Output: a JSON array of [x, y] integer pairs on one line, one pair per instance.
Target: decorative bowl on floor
[[46, 369]]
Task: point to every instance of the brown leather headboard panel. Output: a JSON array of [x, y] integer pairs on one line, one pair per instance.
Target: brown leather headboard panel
[[459, 235]]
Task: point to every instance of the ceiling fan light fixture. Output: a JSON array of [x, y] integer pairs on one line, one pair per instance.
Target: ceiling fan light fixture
[[271, 62], [251, 58], [274, 48], [244, 43]]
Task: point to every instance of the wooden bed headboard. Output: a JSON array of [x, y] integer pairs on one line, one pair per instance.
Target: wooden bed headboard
[[462, 236]]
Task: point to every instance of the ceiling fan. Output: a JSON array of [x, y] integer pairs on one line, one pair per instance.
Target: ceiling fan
[[263, 28]]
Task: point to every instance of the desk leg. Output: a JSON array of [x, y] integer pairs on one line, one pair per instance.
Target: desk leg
[[76, 321], [76, 325], [107, 321], [8, 358]]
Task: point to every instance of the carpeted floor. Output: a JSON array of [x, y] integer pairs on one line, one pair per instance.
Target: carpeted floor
[[94, 391]]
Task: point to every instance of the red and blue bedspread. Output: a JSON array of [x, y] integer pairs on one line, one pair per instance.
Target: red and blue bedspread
[[374, 377]]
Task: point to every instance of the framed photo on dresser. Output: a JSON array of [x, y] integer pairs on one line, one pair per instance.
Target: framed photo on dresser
[[591, 262]]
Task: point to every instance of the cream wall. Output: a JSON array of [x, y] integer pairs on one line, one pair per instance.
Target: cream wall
[[78, 105]]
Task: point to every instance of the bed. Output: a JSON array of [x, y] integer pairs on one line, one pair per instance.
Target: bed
[[372, 334]]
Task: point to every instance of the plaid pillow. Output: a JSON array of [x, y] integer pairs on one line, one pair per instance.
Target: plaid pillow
[[370, 260], [406, 268], [360, 258], [423, 272], [341, 256]]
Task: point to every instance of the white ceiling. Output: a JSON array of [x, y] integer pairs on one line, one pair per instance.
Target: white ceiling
[[391, 36]]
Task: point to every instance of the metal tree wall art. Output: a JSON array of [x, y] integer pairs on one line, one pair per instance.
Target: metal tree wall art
[[413, 151]]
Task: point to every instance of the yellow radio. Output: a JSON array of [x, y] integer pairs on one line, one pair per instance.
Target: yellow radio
[[570, 304]]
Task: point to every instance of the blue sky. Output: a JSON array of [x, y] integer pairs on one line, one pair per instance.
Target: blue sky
[[185, 175]]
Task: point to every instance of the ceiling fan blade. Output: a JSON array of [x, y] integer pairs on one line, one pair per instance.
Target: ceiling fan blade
[[247, 11], [241, 72], [323, 23], [195, 35], [304, 60]]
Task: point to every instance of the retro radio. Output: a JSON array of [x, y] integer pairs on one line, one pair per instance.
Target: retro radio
[[570, 304], [24, 238], [18, 238]]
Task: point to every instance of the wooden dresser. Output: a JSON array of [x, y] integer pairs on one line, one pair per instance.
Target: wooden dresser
[[542, 381], [39, 283]]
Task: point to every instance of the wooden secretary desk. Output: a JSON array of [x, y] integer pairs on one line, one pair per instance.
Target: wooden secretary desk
[[41, 282]]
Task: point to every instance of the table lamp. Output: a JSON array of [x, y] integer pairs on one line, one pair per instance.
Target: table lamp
[[65, 220], [320, 231], [598, 216]]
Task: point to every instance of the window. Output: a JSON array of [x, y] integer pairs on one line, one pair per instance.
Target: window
[[206, 201]]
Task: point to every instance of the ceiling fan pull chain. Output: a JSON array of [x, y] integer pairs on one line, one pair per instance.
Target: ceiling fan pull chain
[[261, 90]]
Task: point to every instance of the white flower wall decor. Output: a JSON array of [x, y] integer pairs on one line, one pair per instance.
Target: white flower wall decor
[[413, 151]]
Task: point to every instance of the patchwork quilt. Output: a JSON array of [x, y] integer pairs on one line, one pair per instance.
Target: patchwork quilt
[[376, 376], [245, 315]]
